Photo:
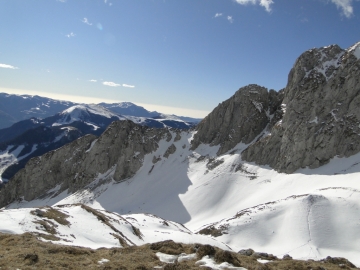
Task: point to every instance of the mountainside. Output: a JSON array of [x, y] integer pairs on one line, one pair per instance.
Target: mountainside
[[321, 117], [239, 119], [34, 137], [15, 153], [302, 200], [14, 108]]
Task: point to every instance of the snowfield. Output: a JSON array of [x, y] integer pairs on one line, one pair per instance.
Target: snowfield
[[310, 214]]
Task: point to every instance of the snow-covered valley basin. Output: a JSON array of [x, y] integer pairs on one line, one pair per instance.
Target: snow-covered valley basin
[[310, 214]]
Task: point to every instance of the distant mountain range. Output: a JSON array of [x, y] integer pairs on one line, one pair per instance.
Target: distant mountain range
[[14, 108], [49, 129]]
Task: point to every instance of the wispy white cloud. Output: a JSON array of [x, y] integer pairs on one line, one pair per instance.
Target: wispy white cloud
[[70, 35], [8, 66], [112, 84], [230, 19], [62, 1], [86, 21], [129, 86], [345, 6], [264, 3], [218, 15], [92, 80]]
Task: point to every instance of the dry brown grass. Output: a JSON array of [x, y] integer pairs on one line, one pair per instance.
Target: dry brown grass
[[27, 252], [51, 213]]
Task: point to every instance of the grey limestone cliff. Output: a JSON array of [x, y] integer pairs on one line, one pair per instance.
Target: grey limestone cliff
[[122, 147], [241, 118], [321, 114]]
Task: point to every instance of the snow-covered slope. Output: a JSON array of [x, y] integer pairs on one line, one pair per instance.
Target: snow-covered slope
[[10, 156], [258, 207], [80, 225]]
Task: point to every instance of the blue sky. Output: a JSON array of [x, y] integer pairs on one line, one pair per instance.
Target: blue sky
[[176, 56]]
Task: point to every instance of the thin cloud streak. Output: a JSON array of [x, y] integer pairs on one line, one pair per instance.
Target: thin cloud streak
[[129, 86], [8, 66], [218, 15], [112, 84], [92, 80]]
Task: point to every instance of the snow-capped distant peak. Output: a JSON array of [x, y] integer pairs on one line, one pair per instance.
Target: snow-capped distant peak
[[84, 113], [125, 104], [80, 110]]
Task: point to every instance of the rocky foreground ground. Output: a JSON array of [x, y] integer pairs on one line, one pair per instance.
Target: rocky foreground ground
[[27, 252]]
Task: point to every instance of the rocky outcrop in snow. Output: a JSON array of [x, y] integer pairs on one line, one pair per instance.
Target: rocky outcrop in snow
[[120, 149], [321, 113], [241, 118]]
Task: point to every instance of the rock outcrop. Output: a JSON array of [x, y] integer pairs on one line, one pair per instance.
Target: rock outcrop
[[121, 147], [241, 118], [321, 113]]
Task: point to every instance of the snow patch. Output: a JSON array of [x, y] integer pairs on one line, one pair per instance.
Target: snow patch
[[355, 50], [91, 146], [166, 258], [173, 258], [315, 121], [207, 261], [102, 261], [257, 105]]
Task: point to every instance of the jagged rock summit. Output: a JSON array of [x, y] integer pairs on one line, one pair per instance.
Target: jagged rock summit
[[241, 118], [321, 117]]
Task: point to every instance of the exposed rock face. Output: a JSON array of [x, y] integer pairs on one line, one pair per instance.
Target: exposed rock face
[[170, 150], [239, 119], [122, 147], [321, 112]]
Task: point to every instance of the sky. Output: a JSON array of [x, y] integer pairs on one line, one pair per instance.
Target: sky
[[174, 56]]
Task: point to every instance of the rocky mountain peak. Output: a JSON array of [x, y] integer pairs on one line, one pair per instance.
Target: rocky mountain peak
[[241, 118], [321, 117]]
